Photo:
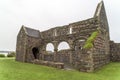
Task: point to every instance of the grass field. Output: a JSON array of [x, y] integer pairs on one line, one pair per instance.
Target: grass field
[[12, 70]]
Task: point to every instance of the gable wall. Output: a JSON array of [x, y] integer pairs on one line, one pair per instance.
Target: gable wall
[[21, 46]]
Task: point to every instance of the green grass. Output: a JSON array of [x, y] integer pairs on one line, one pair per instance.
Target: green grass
[[12, 70]]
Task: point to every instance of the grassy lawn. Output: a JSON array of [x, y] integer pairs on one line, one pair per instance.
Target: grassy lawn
[[12, 70]]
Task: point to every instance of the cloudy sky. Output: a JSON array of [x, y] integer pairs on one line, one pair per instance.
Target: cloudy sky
[[45, 14]]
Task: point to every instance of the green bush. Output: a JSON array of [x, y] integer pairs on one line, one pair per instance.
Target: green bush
[[90, 40], [2, 55], [88, 45], [9, 55], [12, 54]]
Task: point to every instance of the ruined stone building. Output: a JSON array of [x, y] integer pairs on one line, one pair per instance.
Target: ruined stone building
[[89, 42]]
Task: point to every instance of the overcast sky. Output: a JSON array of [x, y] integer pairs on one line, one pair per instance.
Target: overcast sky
[[45, 14]]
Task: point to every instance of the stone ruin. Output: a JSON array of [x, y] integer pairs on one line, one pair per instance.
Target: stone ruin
[[31, 44]]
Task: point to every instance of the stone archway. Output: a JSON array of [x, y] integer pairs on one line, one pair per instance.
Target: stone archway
[[35, 52]]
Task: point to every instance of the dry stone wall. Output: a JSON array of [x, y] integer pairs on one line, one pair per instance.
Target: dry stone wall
[[115, 51]]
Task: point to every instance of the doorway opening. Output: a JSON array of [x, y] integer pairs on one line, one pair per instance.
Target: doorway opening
[[35, 52]]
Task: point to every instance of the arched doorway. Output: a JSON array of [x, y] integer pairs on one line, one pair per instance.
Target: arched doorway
[[35, 52]]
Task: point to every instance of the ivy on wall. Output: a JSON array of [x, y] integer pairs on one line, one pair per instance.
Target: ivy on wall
[[90, 40]]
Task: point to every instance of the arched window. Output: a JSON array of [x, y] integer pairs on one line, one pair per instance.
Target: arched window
[[50, 48], [63, 45]]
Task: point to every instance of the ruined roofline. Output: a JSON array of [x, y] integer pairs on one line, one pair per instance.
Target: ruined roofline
[[97, 13], [58, 27], [29, 28], [98, 9], [31, 32], [72, 24], [83, 21]]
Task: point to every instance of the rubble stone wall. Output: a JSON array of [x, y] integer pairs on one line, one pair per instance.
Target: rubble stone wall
[[115, 51], [31, 42], [100, 57], [85, 28], [21, 46]]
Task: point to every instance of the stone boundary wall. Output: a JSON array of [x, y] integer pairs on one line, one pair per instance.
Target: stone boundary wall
[[49, 63], [114, 51]]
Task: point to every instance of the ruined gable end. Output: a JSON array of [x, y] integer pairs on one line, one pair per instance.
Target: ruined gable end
[[101, 14], [20, 46], [27, 39]]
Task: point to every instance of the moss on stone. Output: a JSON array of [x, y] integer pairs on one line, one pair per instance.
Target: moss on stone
[[90, 40]]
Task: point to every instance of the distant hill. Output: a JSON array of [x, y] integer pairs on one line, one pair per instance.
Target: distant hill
[[6, 51]]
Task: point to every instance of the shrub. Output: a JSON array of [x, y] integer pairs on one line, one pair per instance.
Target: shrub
[[90, 40], [12, 54], [2, 55], [88, 45], [9, 55]]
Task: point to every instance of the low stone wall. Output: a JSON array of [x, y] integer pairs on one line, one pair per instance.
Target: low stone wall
[[80, 59], [114, 51], [49, 63], [48, 57], [61, 56]]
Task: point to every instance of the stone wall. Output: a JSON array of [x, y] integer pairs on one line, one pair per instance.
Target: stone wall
[[101, 50], [48, 57], [114, 51], [61, 56], [21, 46], [80, 59], [64, 56], [85, 27], [100, 57], [31, 42]]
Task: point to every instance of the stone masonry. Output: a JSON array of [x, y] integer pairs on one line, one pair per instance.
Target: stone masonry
[[31, 44]]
